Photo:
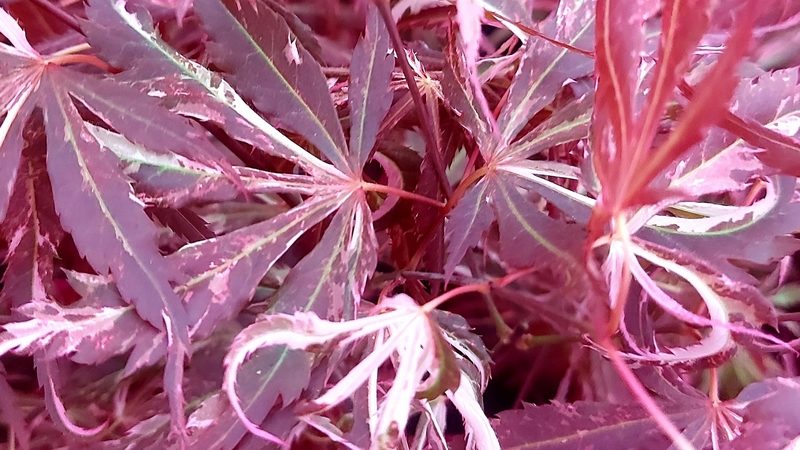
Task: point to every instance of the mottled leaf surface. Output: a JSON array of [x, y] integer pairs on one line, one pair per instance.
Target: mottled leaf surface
[[91, 188], [271, 68], [586, 425], [370, 98], [545, 67]]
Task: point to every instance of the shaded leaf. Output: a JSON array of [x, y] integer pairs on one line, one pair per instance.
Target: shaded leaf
[[33, 232], [468, 221], [522, 225]]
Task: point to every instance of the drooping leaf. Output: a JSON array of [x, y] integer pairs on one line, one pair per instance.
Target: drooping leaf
[[759, 238]]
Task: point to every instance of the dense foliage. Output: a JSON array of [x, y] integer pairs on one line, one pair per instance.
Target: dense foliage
[[417, 224]]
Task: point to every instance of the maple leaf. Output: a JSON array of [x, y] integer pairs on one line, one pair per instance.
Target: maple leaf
[[406, 333], [222, 273], [544, 69], [33, 232], [733, 424]]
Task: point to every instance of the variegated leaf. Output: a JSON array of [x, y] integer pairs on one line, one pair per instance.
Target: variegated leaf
[[271, 68], [92, 189]]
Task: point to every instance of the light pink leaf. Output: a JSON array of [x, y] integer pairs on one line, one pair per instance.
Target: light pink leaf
[[78, 332], [11, 30]]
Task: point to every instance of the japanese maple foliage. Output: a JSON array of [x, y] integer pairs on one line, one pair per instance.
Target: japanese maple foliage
[[428, 224]]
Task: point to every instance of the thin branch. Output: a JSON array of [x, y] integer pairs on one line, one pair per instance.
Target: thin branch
[[59, 13], [536, 33], [644, 398], [401, 193], [425, 122]]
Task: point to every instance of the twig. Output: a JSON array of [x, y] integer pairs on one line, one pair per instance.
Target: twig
[[59, 13], [425, 122]]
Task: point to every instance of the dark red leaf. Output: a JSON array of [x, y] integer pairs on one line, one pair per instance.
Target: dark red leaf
[[370, 98]]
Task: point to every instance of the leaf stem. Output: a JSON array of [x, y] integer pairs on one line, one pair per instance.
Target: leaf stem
[[638, 391], [65, 59], [73, 49], [373, 187], [532, 32], [425, 122], [484, 288]]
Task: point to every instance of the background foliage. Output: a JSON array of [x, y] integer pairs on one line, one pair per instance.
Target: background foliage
[[410, 224]]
